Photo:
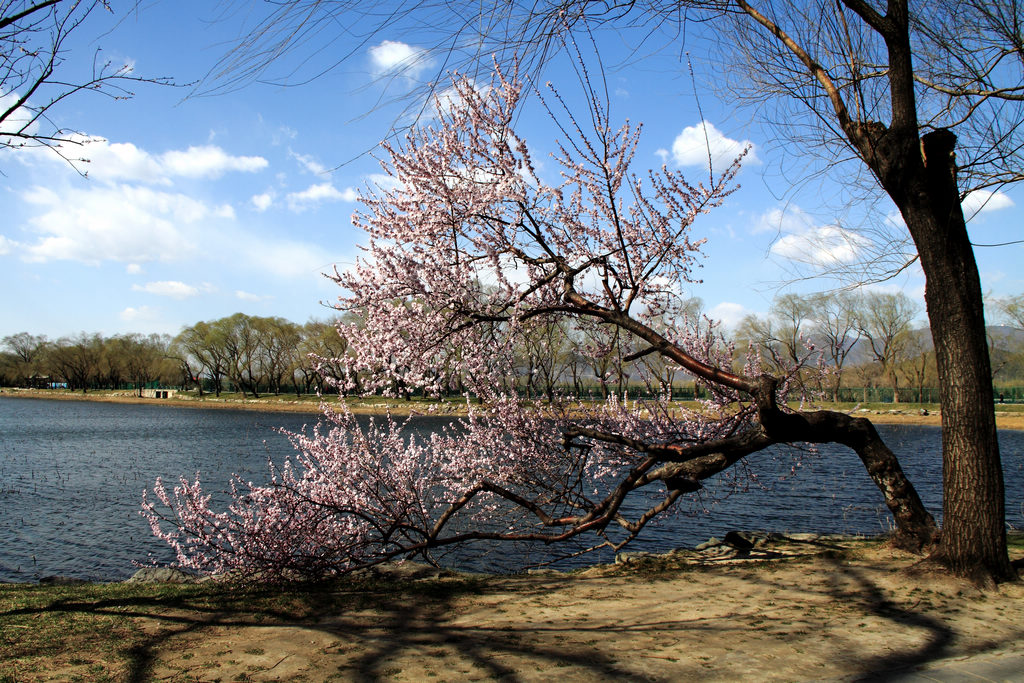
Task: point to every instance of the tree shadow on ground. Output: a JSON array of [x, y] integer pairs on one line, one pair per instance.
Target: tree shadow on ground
[[368, 629]]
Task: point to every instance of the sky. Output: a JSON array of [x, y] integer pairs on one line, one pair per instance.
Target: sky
[[193, 207]]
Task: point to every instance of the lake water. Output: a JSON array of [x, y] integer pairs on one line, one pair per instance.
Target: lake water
[[72, 475]]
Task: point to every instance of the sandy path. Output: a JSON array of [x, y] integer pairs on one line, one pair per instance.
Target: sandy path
[[806, 619]]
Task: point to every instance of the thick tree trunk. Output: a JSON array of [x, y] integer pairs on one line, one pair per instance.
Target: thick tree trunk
[[973, 539], [915, 526]]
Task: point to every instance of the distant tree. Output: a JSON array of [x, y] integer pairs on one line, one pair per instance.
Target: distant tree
[[884, 321], [657, 372], [1010, 311], [203, 343], [279, 339], [28, 352], [322, 355], [836, 331], [239, 338], [782, 337], [918, 368], [78, 359], [146, 359]]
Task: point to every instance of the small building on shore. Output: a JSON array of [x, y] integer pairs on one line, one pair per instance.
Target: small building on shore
[[159, 393]]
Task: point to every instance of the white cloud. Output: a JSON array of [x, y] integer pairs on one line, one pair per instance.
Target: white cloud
[[171, 288], [393, 57], [895, 219], [825, 245], [728, 313], [283, 133], [789, 220], [693, 146], [309, 163], [208, 161], [112, 162], [118, 223], [142, 313], [6, 246], [802, 239], [984, 201], [382, 181], [224, 211], [133, 269], [248, 296], [262, 202], [317, 194], [18, 118]]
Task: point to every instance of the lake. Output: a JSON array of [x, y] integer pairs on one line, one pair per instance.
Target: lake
[[72, 476]]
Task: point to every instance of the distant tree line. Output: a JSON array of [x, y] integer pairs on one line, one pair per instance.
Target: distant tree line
[[860, 347]]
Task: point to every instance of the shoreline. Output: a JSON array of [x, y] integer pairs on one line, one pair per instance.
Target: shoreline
[[911, 414]]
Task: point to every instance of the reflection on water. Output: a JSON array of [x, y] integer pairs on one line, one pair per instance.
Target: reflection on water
[[72, 475]]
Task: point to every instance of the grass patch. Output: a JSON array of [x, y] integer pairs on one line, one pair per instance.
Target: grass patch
[[108, 631]]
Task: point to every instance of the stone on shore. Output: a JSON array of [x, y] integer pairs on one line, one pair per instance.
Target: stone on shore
[[161, 575]]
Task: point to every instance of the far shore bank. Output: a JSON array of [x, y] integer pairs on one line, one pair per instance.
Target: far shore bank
[[1008, 416]]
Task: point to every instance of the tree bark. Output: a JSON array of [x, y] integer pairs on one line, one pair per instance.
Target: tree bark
[[919, 174], [915, 526], [973, 540]]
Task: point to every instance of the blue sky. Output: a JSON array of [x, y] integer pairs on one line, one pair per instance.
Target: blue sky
[[198, 207]]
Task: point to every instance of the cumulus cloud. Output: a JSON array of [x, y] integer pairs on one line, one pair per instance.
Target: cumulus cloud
[[133, 269], [394, 57], [171, 288], [262, 202], [113, 162], [208, 161], [318, 194], [6, 246], [789, 220], [382, 181], [119, 223], [18, 119], [696, 143], [805, 241], [984, 201], [224, 211], [728, 313], [822, 246], [141, 313]]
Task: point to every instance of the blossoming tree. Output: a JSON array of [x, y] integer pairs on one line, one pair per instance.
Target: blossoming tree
[[466, 249]]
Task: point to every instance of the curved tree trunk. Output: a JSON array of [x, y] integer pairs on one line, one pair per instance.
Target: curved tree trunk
[[915, 526]]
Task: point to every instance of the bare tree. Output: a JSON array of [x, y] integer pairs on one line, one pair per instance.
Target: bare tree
[[28, 351], [884, 322], [917, 367], [1011, 311], [36, 72], [836, 328], [782, 336]]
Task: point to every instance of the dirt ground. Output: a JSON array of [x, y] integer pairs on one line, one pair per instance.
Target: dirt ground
[[825, 617]]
